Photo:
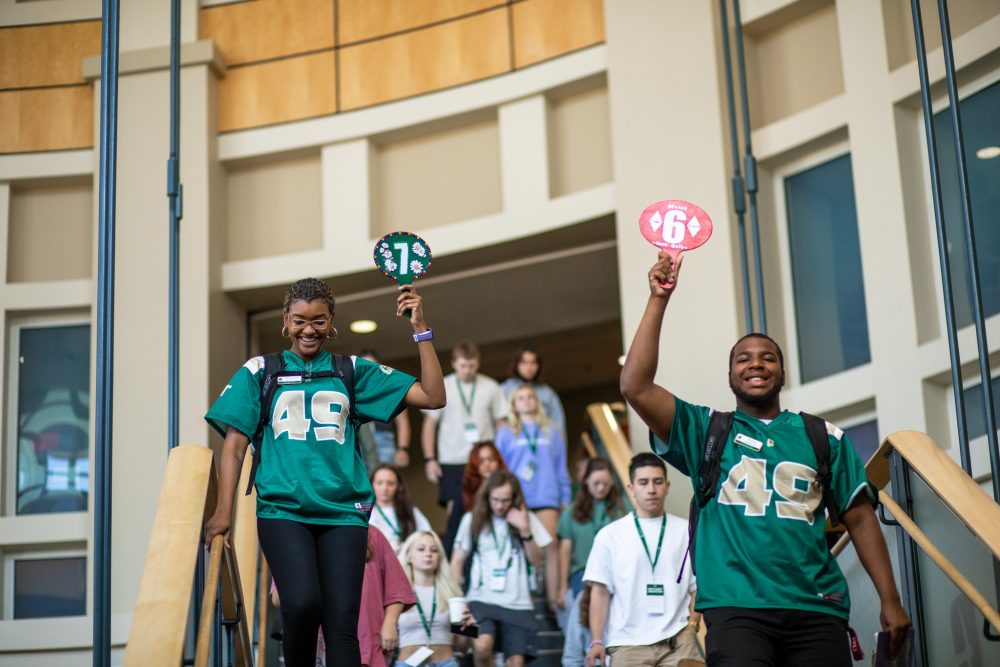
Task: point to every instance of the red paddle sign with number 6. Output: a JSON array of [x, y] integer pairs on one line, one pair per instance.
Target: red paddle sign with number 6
[[675, 226]]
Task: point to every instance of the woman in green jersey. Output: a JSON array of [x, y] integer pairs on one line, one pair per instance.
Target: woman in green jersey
[[313, 493]]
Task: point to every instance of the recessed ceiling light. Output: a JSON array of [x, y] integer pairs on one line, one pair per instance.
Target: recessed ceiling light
[[363, 326], [988, 153]]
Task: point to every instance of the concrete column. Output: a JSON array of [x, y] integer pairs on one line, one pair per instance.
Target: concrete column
[[524, 157], [347, 197], [667, 131]]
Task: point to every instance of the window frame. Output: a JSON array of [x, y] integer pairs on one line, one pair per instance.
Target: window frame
[[8, 466], [41, 553], [793, 367]]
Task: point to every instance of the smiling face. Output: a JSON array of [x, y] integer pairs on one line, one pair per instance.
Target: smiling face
[[599, 484], [424, 555], [487, 462], [756, 375], [385, 485], [308, 323], [649, 488]]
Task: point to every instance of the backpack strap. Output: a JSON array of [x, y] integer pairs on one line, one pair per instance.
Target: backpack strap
[[274, 365], [467, 565], [716, 436], [818, 437]]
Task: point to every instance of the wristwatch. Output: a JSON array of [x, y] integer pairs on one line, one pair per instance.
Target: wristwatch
[[423, 335]]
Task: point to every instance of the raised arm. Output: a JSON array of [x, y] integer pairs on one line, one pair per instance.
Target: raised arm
[[429, 392], [230, 464], [654, 404]]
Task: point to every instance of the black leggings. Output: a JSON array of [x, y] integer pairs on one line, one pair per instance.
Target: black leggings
[[318, 571]]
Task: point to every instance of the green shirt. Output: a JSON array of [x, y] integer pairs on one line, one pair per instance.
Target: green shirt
[[760, 544], [309, 468], [582, 534]]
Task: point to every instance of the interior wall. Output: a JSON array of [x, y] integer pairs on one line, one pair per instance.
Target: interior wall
[[436, 175], [274, 207], [793, 66], [963, 15], [579, 134], [50, 231]]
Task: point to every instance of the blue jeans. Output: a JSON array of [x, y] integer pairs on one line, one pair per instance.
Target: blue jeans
[[450, 662]]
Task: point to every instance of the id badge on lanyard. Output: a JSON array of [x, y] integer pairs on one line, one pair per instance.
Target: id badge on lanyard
[[471, 433], [527, 471], [498, 581], [656, 599]]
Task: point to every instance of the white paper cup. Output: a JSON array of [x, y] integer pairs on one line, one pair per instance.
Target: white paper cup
[[456, 609]]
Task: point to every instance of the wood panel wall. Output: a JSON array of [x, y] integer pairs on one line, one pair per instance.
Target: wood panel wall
[[379, 50], [45, 103]]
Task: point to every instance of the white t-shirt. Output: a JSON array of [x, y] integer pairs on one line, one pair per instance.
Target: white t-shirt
[[460, 428], [386, 521], [619, 562], [411, 628], [497, 557]]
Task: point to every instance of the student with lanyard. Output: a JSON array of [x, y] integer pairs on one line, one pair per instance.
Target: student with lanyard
[[475, 405], [641, 592], [503, 540], [534, 449], [313, 493], [394, 513], [427, 625]]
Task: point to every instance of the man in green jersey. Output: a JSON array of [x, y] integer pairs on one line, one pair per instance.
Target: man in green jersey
[[769, 589]]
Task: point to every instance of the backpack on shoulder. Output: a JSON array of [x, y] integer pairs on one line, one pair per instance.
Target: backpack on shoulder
[[275, 375], [717, 435]]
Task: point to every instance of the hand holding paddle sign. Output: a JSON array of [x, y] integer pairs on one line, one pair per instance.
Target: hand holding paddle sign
[[673, 226], [403, 257]]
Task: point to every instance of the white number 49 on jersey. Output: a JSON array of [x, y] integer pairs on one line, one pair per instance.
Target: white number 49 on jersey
[[746, 485], [328, 409]]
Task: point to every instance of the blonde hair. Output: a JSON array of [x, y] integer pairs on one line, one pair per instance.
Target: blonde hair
[[446, 585], [514, 420]]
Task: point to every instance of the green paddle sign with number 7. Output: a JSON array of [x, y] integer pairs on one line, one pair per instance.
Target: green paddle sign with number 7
[[402, 256]]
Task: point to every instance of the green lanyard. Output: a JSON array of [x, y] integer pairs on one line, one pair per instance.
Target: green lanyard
[[663, 530], [466, 403], [532, 442], [499, 545], [386, 519], [434, 607]]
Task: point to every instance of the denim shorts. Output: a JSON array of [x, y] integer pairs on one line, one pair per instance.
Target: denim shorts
[[450, 662]]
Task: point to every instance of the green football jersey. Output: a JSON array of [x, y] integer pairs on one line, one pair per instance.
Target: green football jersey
[[760, 541], [309, 468]]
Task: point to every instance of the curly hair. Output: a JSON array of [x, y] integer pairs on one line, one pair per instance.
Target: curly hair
[[309, 289], [471, 479]]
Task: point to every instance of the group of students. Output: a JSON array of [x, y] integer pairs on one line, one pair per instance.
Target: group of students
[[769, 590]]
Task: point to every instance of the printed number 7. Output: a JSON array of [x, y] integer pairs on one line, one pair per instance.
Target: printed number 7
[[404, 257]]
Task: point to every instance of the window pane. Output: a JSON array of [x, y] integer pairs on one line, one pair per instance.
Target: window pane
[[975, 415], [979, 126], [831, 318], [49, 587], [53, 397], [864, 438]]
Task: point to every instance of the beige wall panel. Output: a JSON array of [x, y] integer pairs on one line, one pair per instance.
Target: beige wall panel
[[274, 208], [425, 60], [50, 232], [46, 119], [579, 142], [964, 15], [434, 180], [365, 19], [46, 55], [794, 66], [545, 29], [278, 92], [251, 31]]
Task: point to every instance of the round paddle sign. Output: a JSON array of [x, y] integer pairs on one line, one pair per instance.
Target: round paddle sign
[[675, 226], [402, 256]]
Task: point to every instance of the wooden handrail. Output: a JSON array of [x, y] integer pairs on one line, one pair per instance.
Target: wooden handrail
[[160, 616], [245, 536], [618, 448], [956, 489], [204, 643], [588, 445]]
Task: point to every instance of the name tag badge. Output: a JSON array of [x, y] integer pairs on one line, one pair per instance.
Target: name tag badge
[[289, 379], [656, 599], [527, 471], [498, 582], [747, 441], [471, 433]]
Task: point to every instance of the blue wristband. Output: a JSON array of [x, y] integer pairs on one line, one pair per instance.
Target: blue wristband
[[423, 335]]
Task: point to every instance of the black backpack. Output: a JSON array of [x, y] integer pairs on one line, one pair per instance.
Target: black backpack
[[274, 371], [716, 437]]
